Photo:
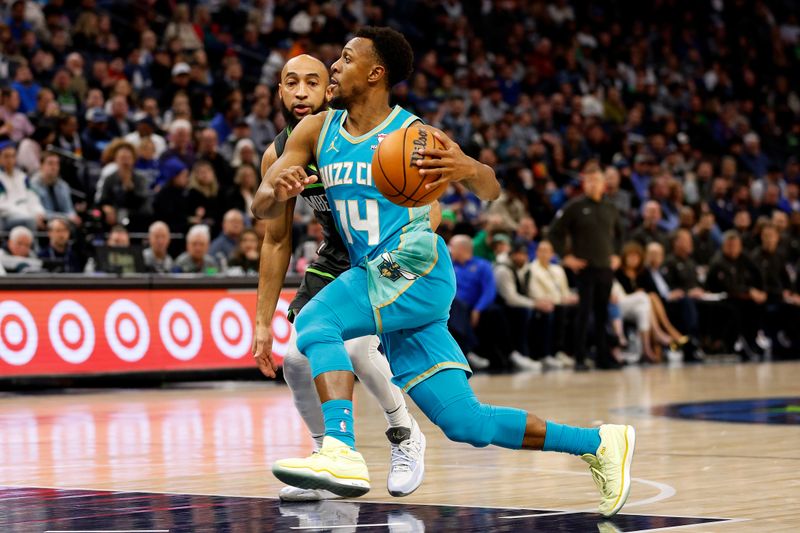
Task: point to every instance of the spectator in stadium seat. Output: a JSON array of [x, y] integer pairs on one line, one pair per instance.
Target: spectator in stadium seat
[[19, 204], [475, 293], [208, 150], [732, 273], [707, 238], [95, 137], [19, 257], [680, 306], [245, 154], [549, 283], [29, 154], [180, 143], [776, 281], [119, 123], [125, 197], [59, 254], [54, 193], [176, 204], [262, 130], [483, 241], [619, 197], [527, 232], [227, 241], [12, 122], [196, 260], [69, 138], [241, 131], [680, 273], [146, 129], [649, 230], [203, 179], [225, 120], [241, 197], [512, 274], [245, 259], [156, 256], [752, 158]]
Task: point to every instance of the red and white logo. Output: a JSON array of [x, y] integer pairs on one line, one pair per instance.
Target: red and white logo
[[71, 331], [19, 337], [126, 329], [231, 328], [180, 329]]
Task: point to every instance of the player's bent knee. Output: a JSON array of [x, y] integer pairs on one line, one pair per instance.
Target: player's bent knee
[[296, 367], [314, 326], [469, 422]]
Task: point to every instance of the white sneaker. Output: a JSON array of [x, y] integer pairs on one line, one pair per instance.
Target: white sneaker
[[551, 363], [408, 459], [565, 359], [477, 362], [523, 363], [296, 494]]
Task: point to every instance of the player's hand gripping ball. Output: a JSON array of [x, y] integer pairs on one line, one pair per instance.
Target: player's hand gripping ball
[[395, 168]]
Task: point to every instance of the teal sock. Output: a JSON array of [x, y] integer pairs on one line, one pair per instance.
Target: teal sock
[[569, 439], [338, 416]]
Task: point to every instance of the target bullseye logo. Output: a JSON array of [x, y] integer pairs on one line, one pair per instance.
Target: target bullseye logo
[[281, 328], [71, 331], [180, 329], [19, 337], [231, 328], [127, 332]]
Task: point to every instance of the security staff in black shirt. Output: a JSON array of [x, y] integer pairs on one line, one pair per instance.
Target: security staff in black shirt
[[587, 233]]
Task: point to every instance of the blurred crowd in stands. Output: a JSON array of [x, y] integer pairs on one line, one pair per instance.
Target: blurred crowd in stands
[[131, 134]]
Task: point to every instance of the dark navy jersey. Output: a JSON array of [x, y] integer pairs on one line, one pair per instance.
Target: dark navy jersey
[[333, 257]]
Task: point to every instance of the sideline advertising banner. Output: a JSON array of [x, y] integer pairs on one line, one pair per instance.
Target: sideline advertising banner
[[51, 333]]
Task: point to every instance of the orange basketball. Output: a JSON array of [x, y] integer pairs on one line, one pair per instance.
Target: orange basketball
[[395, 170]]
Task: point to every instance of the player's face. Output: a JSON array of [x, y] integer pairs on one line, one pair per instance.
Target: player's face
[[350, 73], [302, 88]]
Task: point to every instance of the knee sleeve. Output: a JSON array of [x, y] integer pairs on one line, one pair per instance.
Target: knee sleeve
[[296, 368], [359, 351]]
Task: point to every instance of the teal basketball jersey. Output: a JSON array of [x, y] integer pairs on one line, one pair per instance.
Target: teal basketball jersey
[[369, 223]]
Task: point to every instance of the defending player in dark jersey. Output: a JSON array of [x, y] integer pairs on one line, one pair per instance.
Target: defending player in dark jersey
[[302, 90]]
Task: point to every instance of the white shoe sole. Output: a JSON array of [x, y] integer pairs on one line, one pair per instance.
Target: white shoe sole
[[305, 478], [420, 474], [630, 445], [295, 494]]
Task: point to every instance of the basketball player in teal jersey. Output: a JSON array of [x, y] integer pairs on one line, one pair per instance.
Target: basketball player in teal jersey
[[400, 286], [302, 93]]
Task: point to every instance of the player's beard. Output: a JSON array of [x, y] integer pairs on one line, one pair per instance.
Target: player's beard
[[291, 120], [337, 102]]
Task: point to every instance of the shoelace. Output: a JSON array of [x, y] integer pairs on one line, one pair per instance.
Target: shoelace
[[599, 478], [403, 455]]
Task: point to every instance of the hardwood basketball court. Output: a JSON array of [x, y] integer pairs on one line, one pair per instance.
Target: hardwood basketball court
[[196, 457]]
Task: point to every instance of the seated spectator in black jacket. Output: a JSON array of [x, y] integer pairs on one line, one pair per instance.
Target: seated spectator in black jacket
[[60, 255], [706, 239], [247, 255], [95, 137], [734, 274], [649, 231], [779, 312], [680, 307], [125, 197], [241, 196], [227, 241]]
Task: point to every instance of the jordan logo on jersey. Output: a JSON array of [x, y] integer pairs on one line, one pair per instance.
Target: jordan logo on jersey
[[389, 268]]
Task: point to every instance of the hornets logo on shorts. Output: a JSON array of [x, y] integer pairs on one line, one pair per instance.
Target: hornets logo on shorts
[[389, 268]]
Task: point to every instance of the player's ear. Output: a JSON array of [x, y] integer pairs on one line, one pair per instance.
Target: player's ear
[[280, 91], [376, 74]]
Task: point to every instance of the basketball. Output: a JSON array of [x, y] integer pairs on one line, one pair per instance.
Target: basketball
[[395, 170]]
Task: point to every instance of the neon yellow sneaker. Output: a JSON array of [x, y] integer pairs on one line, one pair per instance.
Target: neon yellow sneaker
[[335, 467], [611, 466]]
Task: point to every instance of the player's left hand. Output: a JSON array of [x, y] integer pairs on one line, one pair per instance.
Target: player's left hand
[[449, 163]]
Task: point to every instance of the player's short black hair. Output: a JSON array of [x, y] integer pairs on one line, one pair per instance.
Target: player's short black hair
[[393, 50]]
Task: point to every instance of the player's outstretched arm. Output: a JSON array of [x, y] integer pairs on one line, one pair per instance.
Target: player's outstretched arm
[[287, 178], [276, 252], [452, 164]]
